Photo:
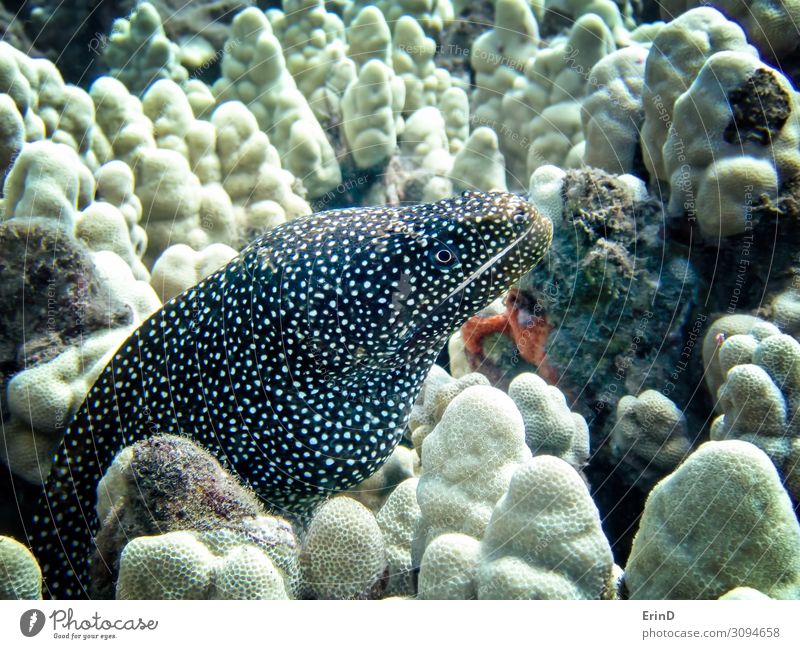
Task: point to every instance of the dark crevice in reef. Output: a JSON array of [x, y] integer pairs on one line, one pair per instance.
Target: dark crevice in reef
[[749, 268], [646, 11], [18, 501], [456, 42], [760, 108], [554, 22]]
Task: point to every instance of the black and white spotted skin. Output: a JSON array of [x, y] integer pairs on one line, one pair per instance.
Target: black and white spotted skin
[[296, 364]]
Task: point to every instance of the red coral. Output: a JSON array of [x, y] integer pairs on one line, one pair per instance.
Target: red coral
[[528, 332]]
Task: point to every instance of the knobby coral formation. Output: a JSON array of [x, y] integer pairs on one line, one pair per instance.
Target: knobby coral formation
[[720, 521], [21, 575], [665, 313]]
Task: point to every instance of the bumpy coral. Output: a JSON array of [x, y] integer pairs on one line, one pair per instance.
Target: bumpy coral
[[12, 134], [369, 37], [550, 427], [722, 329], [49, 107], [613, 112], [168, 484], [479, 165], [467, 463], [180, 267], [433, 15], [784, 311], [770, 24], [217, 180], [720, 521], [498, 58], [650, 437], [449, 568], [540, 114], [398, 519], [425, 153], [342, 554], [65, 310], [544, 540], [254, 72], [44, 182], [555, 137], [678, 52], [438, 390], [760, 398], [370, 108], [138, 52], [42, 399], [413, 61], [219, 564], [20, 575], [373, 492], [733, 145], [314, 46]]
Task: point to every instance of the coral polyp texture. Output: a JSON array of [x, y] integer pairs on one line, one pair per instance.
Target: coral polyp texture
[[22, 577], [721, 520], [422, 299]]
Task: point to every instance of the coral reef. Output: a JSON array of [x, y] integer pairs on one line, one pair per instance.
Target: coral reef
[[342, 555], [217, 564], [650, 437], [64, 312], [550, 427], [181, 507], [746, 113], [678, 53], [449, 567], [21, 575], [544, 539], [505, 539], [402, 465], [759, 396], [613, 111], [144, 145], [720, 521], [180, 267], [768, 24], [398, 520], [467, 463], [138, 52]]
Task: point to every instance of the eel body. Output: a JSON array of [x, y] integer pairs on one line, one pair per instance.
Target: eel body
[[297, 363]]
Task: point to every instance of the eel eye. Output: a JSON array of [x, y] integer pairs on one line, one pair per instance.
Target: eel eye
[[443, 257], [520, 219]]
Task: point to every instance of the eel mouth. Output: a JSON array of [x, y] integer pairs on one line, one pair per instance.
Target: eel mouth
[[534, 233], [534, 228]]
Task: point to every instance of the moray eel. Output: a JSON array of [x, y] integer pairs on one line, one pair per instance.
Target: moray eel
[[297, 363]]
